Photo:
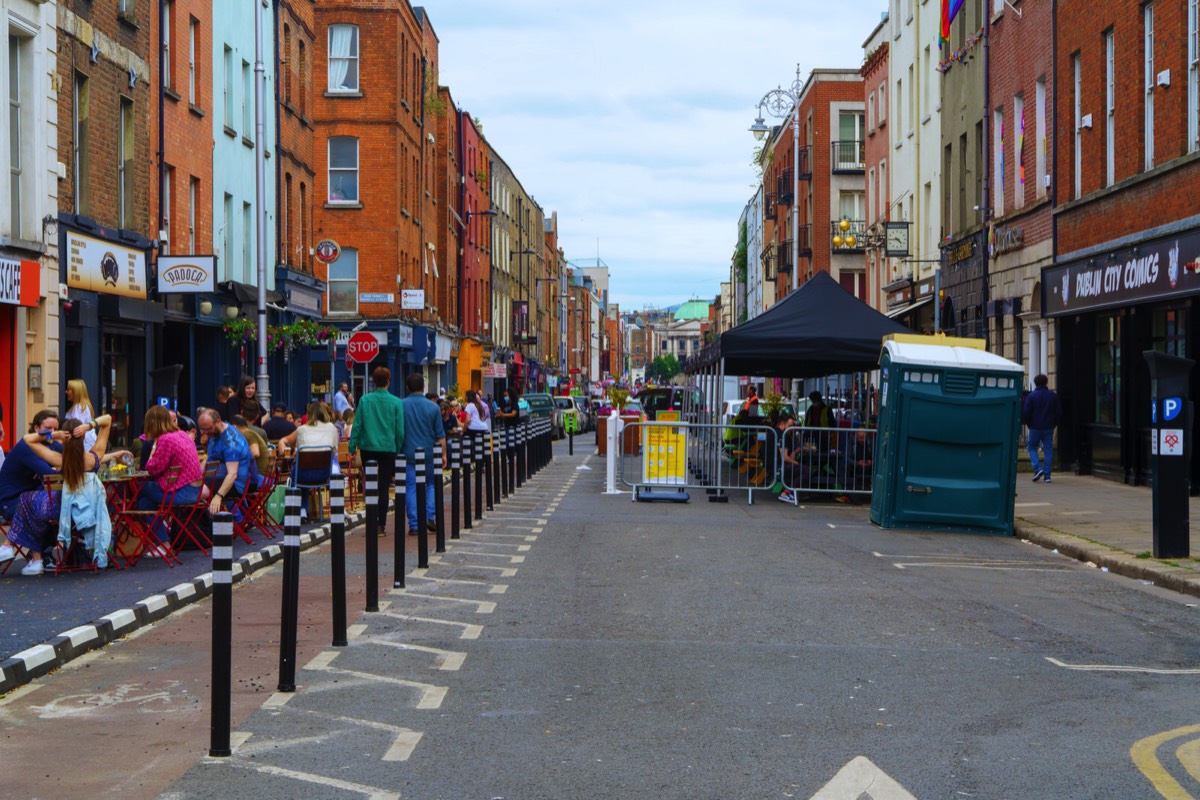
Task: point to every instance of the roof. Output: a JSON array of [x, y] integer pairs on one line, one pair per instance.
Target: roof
[[692, 309], [940, 355]]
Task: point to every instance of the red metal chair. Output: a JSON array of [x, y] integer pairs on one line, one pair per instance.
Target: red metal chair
[[189, 518], [140, 525], [18, 551], [255, 503], [74, 555]]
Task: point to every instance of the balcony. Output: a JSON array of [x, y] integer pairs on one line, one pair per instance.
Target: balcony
[[803, 249], [783, 255], [850, 240], [805, 169], [769, 204], [849, 157], [784, 188]]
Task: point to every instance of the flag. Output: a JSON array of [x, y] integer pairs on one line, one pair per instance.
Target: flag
[[950, 9]]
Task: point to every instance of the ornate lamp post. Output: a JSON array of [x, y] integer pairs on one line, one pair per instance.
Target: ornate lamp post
[[783, 103]]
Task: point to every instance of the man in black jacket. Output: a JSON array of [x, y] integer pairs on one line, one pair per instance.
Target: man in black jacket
[[1041, 414]]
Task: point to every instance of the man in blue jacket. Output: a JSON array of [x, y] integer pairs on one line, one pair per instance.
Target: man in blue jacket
[[1041, 415], [423, 429]]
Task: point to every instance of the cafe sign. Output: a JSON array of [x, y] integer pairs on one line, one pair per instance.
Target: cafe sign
[[20, 282], [187, 274], [97, 265], [1155, 270]]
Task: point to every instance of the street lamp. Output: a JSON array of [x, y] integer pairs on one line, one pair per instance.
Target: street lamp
[[783, 103]]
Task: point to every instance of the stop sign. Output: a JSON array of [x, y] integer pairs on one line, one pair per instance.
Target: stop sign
[[362, 347]]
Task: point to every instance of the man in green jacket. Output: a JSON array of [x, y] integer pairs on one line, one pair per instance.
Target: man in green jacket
[[378, 435]]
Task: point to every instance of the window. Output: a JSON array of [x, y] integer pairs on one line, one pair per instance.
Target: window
[[343, 169], [247, 102], [1079, 127], [168, 20], [193, 196], [883, 100], [193, 34], [1193, 102], [343, 283], [1110, 107], [1040, 133], [168, 180], [871, 112], [1169, 331], [343, 58], [1108, 369], [850, 148], [303, 86], [286, 245], [851, 206], [228, 84], [1148, 109], [899, 107], [998, 162], [927, 78], [884, 191], [125, 178], [872, 195], [287, 64], [247, 241], [1018, 135], [227, 237], [80, 112], [16, 127]]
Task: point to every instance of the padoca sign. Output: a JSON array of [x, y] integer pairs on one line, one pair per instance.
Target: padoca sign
[[187, 274], [362, 348]]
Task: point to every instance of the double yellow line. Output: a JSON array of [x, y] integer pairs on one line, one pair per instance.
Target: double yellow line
[[1145, 756]]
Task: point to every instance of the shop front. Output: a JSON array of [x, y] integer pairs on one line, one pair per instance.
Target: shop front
[[295, 383], [964, 287], [470, 364], [911, 303], [1110, 307], [20, 288], [108, 326]]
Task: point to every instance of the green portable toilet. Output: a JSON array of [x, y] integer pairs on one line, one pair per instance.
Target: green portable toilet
[[946, 449]]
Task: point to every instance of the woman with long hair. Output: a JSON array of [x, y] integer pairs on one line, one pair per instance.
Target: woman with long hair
[[80, 408], [169, 447], [245, 402], [477, 414], [81, 502]]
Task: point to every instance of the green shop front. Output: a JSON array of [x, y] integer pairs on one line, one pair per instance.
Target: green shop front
[[1110, 307]]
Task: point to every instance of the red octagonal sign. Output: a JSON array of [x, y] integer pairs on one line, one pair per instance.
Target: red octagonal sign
[[362, 347]]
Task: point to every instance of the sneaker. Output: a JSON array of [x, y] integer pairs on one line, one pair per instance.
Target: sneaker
[[32, 568], [431, 526], [7, 552], [155, 550], [1037, 476], [843, 498], [1048, 479], [786, 497]]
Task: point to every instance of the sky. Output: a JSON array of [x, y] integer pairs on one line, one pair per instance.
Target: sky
[[630, 119]]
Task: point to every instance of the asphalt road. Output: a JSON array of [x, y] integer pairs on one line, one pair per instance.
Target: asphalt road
[[581, 646]]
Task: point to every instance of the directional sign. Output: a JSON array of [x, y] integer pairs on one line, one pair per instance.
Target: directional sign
[[860, 778], [362, 347]]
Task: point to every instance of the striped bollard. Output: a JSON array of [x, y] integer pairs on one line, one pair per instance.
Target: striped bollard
[[422, 517], [439, 500], [477, 455], [291, 590], [372, 499], [522, 454], [489, 496], [494, 458], [501, 434], [510, 437], [222, 635], [400, 520], [455, 479], [337, 552], [467, 449]]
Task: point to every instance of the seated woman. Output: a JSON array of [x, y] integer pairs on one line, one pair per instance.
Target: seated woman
[[37, 510], [169, 447], [21, 472], [318, 431]]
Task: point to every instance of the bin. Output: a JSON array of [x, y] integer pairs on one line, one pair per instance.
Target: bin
[[946, 449], [631, 437]]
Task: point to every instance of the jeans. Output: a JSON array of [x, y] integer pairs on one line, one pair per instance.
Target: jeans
[[386, 463], [1044, 437], [410, 494], [151, 496]]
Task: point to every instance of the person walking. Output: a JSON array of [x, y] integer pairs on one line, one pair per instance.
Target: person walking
[[379, 434], [1041, 414], [424, 430]]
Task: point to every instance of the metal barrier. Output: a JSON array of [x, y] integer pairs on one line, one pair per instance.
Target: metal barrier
[[835, 461], [717, 458]]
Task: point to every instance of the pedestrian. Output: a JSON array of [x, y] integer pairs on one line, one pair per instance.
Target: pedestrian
[[477, 415], [379, 434], [1041, 414], [424, 430], [80, 406], [343, 401], [449, 420], [508, 408]]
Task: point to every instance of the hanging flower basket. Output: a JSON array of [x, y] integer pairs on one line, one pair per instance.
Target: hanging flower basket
[[240, 331], [292, 336]]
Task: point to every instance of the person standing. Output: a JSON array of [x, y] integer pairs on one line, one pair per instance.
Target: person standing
[[1041, 414], [81, 410], [379, 434], [424, 430], [343, 401]]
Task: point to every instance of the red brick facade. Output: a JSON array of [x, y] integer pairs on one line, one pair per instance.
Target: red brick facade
[[878, 151], [295, 85], [477, 239], [447, 213]]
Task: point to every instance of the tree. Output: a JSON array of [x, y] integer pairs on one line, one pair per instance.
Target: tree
[[664, 368]]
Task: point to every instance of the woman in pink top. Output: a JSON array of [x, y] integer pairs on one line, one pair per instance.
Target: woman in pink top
[[172, 448]]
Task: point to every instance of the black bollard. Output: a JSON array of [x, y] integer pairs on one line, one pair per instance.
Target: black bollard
[[468, 445], [372, 509], [510, 435], [291, 591], [422, 517], [455, 479], [337, 553], [222, 635], [439, 500], [487, 472], [571, 440], [399, 518], [494, 457], [502, 436], [477, 456]]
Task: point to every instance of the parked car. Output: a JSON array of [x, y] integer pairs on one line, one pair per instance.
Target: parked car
[[685, 399], [562, 404], [540, 405], [634, 406], [587, 412]]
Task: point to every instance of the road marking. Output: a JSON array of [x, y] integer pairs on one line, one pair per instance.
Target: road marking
[[1078, 513], [1117, 668], [478, 554], [371, 792], [483, 606], [446, 660], [998, 566], [470, 631], [1030, 505], [403, 746], [322, 660], [1189, 755], [1146, 760], [278, 699], [861, 777], [457, 581], [355, 631], [431, 696]]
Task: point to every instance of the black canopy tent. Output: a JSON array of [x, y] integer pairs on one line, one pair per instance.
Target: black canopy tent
[[819, 329]]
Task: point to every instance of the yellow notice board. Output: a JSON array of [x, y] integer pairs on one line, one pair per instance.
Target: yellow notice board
[[665, 452]]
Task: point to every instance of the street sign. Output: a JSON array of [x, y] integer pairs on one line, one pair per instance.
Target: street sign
[[362, 348]]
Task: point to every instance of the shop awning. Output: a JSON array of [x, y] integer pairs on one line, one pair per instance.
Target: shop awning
[[899, 312], [247, 295]]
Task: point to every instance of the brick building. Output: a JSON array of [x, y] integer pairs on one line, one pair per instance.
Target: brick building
[[105, 234], [474, 255], [877, 151], [1127, 261]]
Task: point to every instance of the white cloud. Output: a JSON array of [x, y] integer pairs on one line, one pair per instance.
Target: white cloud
[[629, 118]]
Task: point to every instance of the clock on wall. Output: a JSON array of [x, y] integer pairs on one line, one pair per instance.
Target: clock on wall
[[896, 239]]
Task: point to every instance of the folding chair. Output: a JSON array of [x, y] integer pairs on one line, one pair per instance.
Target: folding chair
[[190, 518], [140, 526], [75, 550], [19, 552], [349, 465], [317, 461], [256, 502]]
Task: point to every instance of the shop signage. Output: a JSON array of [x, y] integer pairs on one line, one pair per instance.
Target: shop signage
[[405, 336], [187, 274], [495, 371], [441, 348], [376, 297], [301, 299], [958, 253], [412, 299], [20, 282], [520, 310], [1005, 239], [1150, 271], [327, 251], [96, 265], [362, 348], [343, 338]]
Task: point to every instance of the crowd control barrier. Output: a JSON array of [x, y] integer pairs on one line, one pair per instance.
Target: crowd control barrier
[[831, 461]]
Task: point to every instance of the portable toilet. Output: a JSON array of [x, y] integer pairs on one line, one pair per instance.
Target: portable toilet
[[946, 449]]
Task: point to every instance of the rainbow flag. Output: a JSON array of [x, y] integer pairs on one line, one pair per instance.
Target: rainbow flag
[[950, 9]]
